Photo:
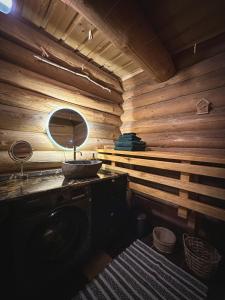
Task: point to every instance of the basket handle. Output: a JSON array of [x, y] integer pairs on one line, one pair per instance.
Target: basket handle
[[184, 236]]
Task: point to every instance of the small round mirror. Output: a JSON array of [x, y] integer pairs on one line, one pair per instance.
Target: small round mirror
[[20, 151], [67, 128]]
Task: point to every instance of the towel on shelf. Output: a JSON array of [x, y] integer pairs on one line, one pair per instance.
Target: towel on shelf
[[130, 148], [128, 138], [129, 142]]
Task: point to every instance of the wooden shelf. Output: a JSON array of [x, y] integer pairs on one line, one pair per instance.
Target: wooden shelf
[[184, 165]]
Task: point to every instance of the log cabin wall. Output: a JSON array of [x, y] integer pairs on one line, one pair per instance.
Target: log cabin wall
[[165, 115], [30, 90]]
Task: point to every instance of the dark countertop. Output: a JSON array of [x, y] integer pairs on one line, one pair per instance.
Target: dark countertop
[[12, 188]]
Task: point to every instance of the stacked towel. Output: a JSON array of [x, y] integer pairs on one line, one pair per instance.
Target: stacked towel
[[129, 142]]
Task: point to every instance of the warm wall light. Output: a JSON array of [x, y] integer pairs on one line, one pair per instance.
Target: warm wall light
[[6, 6]]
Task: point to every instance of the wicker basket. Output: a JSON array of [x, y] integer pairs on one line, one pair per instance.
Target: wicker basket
[[201, 258], [164, 239]]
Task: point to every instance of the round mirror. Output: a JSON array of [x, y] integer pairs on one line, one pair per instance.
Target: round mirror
[[67, 128], [20, 151]]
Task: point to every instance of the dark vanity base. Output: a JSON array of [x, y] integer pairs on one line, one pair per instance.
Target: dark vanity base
[[52, 226]]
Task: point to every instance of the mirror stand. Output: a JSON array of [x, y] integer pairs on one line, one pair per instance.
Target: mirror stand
[[21, 175], [20, 152]]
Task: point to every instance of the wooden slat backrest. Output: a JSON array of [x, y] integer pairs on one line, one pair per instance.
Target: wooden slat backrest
[[184, 164]]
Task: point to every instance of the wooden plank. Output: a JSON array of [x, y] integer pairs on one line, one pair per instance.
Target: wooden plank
[[40, 141], [214, 152], [210, 80], [20, 119], [187, 186], [202, 208], [175, 106], [184, 177], [181, 122], [23, 98], [34, 40], [193, 139], [180, 167], [25, 58], [41, 160], [182, 212], [145, 85], [127, 30], [168, 155], [38, 83], [205, 50]]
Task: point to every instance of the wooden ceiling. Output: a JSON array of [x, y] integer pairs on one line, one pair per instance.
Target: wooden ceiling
[[182, 23], [67, 26], [179, 25]]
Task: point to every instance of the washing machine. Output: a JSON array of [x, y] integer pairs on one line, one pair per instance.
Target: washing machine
[[50, 235]]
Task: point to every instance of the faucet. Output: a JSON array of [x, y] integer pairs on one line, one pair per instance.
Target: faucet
[[75, 152]]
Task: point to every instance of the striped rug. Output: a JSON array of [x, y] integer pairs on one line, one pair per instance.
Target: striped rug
[[141, 273]]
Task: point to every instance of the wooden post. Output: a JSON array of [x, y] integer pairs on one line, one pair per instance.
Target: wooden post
[[184, 177], [184, 213]]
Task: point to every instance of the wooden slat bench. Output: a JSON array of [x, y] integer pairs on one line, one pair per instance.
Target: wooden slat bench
[[186, 165]]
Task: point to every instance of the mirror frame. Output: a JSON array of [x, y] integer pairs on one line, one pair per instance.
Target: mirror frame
[[49, 133], [13, 157]]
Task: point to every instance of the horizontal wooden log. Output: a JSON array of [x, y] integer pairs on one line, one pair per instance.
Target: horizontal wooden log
[[145, 85], [29, 166], [179, 105], [26, 79], [197, 151], [20, 119], [202, 208], [172, 166], [41, 160], [197, 139], [25, 58], [131, 84], [205, 50], [207, 81], [127, 30], [177, 123], [171, 155], [33, 39], [40, 141], [19, 97]]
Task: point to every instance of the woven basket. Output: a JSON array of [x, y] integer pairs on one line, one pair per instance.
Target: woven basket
[[164, 239], [201, 258]]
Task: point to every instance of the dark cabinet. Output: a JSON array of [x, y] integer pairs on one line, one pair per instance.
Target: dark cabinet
[[109, 210]]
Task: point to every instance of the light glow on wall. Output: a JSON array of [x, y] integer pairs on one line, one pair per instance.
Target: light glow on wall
[[6, 6]]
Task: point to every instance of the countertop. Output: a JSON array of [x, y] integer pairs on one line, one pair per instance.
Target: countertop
[[12, 188]]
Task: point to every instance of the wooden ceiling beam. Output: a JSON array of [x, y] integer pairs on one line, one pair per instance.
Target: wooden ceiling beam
[[126, 26], [35, 40]]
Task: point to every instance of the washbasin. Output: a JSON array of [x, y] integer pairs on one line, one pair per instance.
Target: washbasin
[[81, 168]]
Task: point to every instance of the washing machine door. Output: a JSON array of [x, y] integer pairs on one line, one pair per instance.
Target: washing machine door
[[60, 240]]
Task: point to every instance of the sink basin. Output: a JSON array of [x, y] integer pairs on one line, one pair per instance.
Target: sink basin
[[81, 168]]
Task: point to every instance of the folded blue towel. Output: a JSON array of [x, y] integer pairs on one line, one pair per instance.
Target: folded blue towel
[[129, 143], [129, 134], [128, 138], [131, 148]]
